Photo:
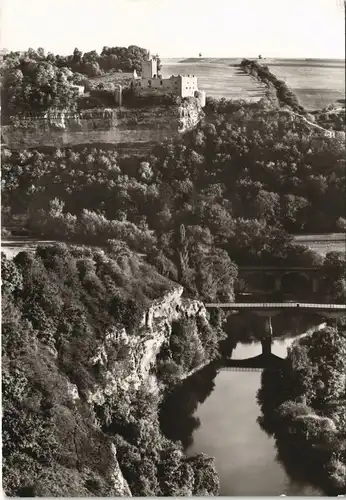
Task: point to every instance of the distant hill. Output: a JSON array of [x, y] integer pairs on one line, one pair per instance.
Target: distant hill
[[194, 59]]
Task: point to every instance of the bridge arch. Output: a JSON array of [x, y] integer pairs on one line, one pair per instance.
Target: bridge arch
[[255, 281], [296, 282], [269, 282]]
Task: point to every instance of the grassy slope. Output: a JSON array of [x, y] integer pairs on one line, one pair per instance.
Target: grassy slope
[[220, 79]]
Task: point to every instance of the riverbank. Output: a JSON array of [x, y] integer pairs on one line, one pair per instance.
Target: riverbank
[[217, 413], [305, 409]]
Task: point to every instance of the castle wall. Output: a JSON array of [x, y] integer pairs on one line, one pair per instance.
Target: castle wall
[[189, 86], [156, 86], [150, 84], [149, 68], [118, 95], [182, 86], [201, 96]]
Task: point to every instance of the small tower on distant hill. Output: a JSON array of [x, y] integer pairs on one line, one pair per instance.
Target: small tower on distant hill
[[149, 68]]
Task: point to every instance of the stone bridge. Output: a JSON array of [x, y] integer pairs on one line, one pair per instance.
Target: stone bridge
[[267, 310], [270, 279]]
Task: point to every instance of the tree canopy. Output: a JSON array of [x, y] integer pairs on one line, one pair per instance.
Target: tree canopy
[[63, 313], [33, 81]]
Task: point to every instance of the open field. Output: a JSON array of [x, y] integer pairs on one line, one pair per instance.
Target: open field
[[217, 78], [323, 243], [316, 82]]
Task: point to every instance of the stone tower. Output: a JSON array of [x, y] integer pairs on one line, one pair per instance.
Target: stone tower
[[149, 68]]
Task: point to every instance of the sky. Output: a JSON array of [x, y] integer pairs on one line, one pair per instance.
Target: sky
[[179, 28]]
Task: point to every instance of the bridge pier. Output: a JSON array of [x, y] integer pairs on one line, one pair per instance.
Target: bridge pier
[[268, 326], [267, 340], [266, 346], [315, 285], [277, 284]]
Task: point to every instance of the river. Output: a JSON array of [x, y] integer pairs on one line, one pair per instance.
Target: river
[[216, 410], [216, 413]]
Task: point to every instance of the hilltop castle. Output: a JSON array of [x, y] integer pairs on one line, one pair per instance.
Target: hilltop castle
[[151, 83]]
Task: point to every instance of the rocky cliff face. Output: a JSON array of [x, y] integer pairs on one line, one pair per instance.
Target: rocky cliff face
[[141, 350], [140, 353], [115, 126], [191, 114], [117, 479]]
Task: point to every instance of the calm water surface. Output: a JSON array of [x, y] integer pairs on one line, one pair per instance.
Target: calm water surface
[[226, 428], [245, 456], [217, 415]]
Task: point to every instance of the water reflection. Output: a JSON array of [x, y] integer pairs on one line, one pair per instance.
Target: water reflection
[[246, 327], [216, 412], [183, 403], [303, 465]]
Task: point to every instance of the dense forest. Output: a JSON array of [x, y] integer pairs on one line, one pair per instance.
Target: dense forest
[[33, 82], [228, 193], [248, 173], [304, 408], [60, 307]]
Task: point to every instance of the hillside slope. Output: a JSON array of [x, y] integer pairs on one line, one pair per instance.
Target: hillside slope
[[82, 339]]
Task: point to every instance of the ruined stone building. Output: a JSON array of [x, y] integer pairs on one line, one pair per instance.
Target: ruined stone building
[[151, 83]]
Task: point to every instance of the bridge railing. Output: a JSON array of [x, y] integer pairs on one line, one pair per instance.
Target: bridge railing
[[277, 305], [240, 369]]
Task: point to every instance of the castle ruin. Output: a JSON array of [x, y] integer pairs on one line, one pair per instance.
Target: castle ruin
[[150, 83]]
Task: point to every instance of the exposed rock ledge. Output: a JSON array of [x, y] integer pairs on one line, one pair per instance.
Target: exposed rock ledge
[[110, 126], [119, 483], [142, 349]]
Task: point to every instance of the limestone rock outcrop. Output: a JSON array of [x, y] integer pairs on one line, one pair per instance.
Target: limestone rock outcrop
[[123, 126], [141, 350]]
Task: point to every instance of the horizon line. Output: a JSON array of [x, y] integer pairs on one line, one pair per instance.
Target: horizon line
[[253, 57], [5, 49]]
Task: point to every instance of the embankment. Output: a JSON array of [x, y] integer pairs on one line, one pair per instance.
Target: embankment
[[284, 95], [331, 123]]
